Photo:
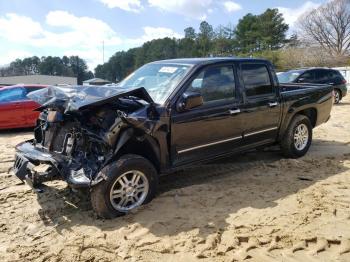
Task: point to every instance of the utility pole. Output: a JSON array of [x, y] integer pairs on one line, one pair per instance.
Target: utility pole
[[78, 80], [103, 52]]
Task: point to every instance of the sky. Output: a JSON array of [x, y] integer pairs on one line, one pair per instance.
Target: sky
[[80, 27]]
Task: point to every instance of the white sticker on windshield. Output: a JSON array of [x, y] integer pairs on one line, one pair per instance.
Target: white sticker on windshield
[[167, 69]]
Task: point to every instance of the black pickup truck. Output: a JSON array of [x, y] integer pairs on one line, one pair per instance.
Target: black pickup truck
[[117, 140]]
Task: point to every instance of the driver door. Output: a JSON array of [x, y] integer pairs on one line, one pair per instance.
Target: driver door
[[11, 107], [214, 128]]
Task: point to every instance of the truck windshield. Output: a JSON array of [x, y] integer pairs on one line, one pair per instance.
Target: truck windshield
[[288, 77], [158, 79]]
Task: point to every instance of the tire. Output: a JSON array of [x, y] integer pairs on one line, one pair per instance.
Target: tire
[[107, 205], [337, 96], [297, 147]]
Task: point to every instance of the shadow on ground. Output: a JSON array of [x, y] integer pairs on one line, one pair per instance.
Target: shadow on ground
[[255, 179], [15, 131]]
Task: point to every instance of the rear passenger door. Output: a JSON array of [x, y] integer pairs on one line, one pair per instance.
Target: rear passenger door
[[262, 107], [11, 107]]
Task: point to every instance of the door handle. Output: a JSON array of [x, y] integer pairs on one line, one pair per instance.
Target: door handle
[[235, 111], [273, 104]]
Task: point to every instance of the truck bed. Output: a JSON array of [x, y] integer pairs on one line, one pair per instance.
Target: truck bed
[[288, 87], [296, 97]]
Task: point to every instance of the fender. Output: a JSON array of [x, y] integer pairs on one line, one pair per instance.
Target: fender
[[124, 138]]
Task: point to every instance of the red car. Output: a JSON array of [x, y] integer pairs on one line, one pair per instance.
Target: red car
[[16, 110]]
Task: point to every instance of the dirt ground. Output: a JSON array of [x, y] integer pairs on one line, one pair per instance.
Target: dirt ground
[[257, 206]]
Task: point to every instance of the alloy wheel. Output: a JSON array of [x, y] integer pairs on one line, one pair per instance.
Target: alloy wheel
[[129, 191], [301, 137]]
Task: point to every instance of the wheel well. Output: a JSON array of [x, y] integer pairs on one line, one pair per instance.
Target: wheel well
[[141, 148], [311, 113]]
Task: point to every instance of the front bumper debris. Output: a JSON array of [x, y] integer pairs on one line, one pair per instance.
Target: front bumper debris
[[29, 156]]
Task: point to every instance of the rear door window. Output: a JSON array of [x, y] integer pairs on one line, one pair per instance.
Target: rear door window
[[336, 76], [256, 80], [214, 83], [14, 94], [321, 76]]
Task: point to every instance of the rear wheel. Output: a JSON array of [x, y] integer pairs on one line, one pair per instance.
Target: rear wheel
[[131, 181], [297, 139], [337, 96]]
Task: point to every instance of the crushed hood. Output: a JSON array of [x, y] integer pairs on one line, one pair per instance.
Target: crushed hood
[[74, 98]]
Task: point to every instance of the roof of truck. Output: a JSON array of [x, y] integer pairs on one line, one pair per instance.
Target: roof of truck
[[208, 60]]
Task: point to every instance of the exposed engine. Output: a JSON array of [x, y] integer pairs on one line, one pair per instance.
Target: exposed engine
[[86, 138]]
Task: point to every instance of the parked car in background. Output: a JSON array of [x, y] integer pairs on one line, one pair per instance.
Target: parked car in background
[[16, 110], [317, 76]]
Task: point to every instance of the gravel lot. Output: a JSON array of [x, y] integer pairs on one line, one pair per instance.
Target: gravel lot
[[257, 206]]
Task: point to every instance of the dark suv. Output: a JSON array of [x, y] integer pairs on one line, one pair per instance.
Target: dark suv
[[317, 76]]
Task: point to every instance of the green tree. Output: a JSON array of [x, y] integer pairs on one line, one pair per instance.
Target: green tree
[[247, 33], [79, 68], [273, 29], [205, 37], [190, 33], [51, 65], [256, 33], [223, 42]]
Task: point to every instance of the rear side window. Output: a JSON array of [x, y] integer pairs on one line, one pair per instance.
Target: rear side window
[[214, 83], [256, 79], [321, 76], [15, 94], [334, 74]]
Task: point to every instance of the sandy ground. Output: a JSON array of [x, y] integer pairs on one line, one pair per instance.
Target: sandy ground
[[257, 206]]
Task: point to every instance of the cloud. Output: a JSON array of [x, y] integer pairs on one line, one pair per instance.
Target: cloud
[[127, 5], [83, 31], [291, 15], [7, 57], [231, 6], [154, 33], [197, 9], [19, 28], [69, 35]]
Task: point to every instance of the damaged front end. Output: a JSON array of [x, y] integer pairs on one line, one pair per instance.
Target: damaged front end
[[79, 131]]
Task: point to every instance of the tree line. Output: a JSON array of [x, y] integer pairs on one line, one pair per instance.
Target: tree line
[[322, 39], [254, 34], [72, 66]]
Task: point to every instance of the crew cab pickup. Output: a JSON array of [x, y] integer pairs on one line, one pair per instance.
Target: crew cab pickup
[[118, 140]]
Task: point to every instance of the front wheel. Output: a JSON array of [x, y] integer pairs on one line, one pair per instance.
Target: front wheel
[[297, 139], [131, 181]]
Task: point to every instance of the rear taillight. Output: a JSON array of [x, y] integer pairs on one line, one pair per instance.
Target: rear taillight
[[333, 93], [343, 81]]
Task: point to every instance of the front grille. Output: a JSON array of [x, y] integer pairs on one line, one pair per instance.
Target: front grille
[[20, 166], [18, 163]]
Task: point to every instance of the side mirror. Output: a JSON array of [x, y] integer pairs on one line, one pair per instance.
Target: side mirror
[[301, 80], [189, 100]]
